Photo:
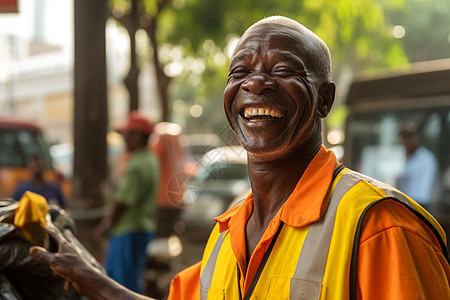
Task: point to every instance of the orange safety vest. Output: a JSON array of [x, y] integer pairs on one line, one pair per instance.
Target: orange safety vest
[[310, 262]]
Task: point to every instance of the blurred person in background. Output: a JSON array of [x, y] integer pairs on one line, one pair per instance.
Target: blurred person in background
[[132, 222], [38, 183], [166, 144], [421, 168]]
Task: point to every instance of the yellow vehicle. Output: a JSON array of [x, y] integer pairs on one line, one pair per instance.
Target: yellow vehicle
[[20, 139]]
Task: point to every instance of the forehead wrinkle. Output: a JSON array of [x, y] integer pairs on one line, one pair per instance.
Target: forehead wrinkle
[[243, 54], [287, 56], [244, 49], [281, 55], [249, 45]]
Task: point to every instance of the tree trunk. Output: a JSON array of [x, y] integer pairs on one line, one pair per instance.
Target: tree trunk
[[130, 22], [162, 79], [90, 119]]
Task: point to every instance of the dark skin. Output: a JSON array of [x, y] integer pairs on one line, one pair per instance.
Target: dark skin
[[270, 70], [69, 264], [411, 141], [36, 165]]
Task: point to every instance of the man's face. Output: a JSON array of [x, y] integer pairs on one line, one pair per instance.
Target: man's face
[[411, 141], [133, 140], [37, 166], [270, 98]]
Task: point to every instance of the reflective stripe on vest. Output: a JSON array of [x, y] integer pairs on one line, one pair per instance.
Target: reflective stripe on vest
[[206, 277], [306, 283], [307, 280]]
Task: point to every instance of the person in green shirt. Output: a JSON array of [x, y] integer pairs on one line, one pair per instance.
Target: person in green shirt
[[132, 222]]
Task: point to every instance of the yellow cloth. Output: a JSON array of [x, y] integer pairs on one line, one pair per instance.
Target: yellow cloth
[[30, 216]]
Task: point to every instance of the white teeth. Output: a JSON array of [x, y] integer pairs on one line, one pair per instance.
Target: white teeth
[[253, 111]]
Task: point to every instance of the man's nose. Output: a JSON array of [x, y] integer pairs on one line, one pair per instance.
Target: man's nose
[[257, 83]]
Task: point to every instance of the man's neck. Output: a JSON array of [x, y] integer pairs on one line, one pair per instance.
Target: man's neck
[[38, 180], [273, 182], [410, 152]]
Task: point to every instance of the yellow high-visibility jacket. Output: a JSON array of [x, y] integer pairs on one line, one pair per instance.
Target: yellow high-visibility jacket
[[308, 262]]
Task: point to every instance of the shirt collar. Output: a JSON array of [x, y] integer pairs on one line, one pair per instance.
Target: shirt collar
[[305, 205]]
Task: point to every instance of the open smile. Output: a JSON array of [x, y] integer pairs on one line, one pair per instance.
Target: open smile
[[261, 113]]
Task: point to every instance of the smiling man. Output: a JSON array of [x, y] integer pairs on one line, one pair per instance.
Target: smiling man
[[306, 231], [311, 228]]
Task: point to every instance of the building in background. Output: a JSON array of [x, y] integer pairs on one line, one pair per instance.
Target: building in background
[[36, 77]]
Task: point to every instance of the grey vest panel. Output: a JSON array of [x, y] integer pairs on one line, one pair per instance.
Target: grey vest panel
[[208, 271], [308, 276]]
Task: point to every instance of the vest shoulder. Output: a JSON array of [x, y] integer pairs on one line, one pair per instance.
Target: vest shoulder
[[366, 192], [361, 185]]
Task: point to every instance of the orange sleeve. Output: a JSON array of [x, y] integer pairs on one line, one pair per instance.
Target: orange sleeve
[[399, 257], [186, 284]]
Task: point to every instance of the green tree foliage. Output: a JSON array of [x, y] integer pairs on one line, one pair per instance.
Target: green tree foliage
[[358, 33], [355, 30], [426, 24]]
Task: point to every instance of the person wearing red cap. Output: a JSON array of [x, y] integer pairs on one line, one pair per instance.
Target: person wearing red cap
[[132, 221]]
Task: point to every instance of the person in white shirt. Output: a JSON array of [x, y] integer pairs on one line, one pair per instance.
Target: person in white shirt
[[421, 168]]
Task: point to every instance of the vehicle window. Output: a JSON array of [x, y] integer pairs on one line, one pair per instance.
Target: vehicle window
[[32, 142], [10, 153], [17, 145], [377, 148]]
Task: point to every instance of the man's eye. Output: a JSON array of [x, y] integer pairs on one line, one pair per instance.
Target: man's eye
[[239, 73], [284, 72]]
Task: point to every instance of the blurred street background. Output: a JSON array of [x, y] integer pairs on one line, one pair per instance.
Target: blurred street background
[[71, 71]]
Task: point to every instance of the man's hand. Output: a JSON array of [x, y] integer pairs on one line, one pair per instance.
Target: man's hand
[[68, 262]]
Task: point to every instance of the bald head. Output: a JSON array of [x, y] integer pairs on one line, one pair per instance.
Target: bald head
[[319, 58]]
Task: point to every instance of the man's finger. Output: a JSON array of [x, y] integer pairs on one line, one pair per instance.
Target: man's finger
[[54, 232], [42, 255], [67, 285]]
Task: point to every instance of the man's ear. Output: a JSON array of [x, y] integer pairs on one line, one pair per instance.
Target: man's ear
[[326, 98]]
